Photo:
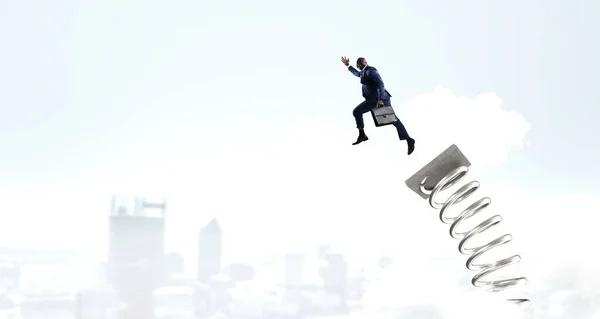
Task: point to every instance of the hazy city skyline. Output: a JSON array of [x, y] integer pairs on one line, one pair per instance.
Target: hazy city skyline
[[242, 111]]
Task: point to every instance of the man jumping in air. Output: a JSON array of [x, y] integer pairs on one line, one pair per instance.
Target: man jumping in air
[[375, 95]]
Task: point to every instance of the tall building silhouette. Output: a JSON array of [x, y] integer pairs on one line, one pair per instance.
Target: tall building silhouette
[[209, 251], [136, 252], [335, 276]]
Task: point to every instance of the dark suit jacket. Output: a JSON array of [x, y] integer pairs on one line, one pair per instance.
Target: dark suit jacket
[[372, 84]]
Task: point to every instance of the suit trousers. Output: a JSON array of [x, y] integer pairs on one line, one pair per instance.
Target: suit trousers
[[366, 106]]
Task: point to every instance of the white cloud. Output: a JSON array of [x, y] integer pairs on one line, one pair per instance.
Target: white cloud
[[480, 126]]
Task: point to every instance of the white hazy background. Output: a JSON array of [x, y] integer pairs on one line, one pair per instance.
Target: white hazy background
[[242, 111]]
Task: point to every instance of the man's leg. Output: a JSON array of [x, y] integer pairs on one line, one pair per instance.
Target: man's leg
[[402, 133], [358, 112]]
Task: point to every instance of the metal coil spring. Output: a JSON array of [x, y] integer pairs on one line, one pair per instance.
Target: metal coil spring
[[485, 269]]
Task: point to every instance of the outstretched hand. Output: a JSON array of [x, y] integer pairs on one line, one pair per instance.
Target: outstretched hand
[[346, 61]]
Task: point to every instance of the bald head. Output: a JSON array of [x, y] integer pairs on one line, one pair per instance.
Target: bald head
[[361, 63]]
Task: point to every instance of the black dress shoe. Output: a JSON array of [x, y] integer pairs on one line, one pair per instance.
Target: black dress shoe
[[411, 145], [360, 139]]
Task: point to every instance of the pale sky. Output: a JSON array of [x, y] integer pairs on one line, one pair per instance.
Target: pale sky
[[242, 110]]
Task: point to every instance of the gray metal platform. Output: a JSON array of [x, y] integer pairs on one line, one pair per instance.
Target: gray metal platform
[[435, 170]]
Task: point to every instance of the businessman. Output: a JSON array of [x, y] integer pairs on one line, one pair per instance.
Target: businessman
[[375, 94]]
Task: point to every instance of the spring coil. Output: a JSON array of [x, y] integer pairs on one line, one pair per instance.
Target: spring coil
[[461, 194]]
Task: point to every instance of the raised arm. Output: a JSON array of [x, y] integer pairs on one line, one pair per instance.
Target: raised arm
[[374, 76], [354, 71]]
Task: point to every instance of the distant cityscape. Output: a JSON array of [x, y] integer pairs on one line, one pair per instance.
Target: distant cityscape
[[142, 280]]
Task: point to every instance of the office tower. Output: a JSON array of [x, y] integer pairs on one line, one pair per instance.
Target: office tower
[[209, 251], [10, 274], [335, 276], [136, 251]]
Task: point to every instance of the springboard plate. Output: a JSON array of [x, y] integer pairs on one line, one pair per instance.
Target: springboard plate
[[439, 167]]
